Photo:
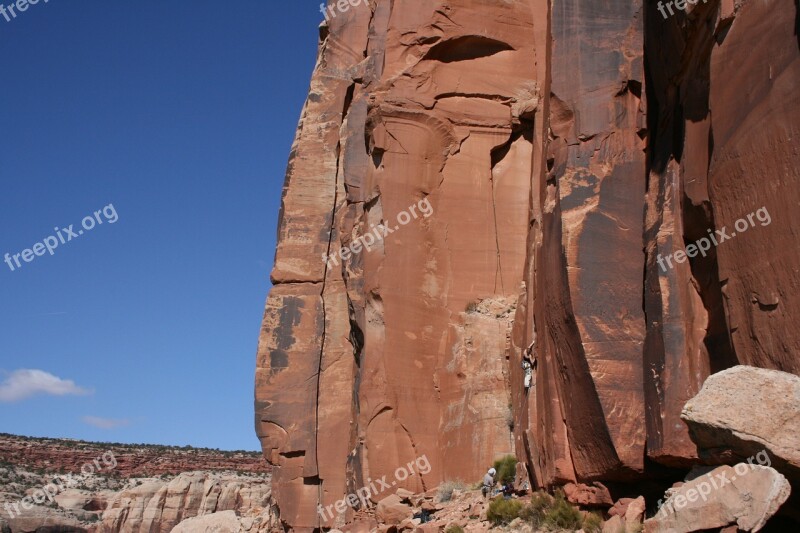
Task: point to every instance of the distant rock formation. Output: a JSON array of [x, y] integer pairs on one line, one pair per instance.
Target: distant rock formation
[[132, 460], [583, 203], [158, 507], [51, 485]]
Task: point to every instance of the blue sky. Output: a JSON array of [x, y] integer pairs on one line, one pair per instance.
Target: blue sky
[[180, 114]]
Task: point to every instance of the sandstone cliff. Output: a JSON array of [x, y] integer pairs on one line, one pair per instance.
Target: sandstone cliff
[[565, 150]]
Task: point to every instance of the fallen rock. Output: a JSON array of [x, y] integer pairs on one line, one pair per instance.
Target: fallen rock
[[634, 514], [615, 524], [409, 524], [391, 510], [404, 495], [626, 516], [361, 526], [476, 509], [430, 506], [620, 507], [745, 495], [748, 410], [596, 495]]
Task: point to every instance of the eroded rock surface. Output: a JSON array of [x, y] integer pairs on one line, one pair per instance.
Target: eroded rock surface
[[555, 154]]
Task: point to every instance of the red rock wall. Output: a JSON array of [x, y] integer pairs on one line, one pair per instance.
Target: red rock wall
[[561, 147]]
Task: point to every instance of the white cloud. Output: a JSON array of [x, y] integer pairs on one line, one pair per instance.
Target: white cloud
[[105, 423], [24, 383]]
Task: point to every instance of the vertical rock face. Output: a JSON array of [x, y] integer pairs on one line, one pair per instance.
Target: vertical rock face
[[471, 178]]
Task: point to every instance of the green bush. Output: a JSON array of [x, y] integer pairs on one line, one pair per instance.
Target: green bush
[[535, 512], [454, 529], [593, 523], [502, 511], [556, 513], [506, 469], [562, 515], [445, 492]]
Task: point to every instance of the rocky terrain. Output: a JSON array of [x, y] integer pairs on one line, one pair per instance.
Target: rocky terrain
[[58, 485], [611, 196], [65, 455]]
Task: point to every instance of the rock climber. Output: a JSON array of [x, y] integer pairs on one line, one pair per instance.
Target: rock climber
[[488, 482], [528, 365], [527, 368]]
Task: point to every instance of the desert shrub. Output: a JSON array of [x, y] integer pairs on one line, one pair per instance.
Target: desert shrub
[[562, 515], [506, 469], [535, 512], [502, 511], [445, 493], [454, 529], [593, 523], [556, 513]]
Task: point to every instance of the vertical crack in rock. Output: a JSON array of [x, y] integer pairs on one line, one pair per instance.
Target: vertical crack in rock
[[334, 209]]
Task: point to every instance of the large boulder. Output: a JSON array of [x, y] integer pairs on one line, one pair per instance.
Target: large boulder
[[626, 516], [745, 495], [391, 510], [747, 410]]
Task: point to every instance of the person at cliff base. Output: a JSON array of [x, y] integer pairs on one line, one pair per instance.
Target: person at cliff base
[[488, 482]]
